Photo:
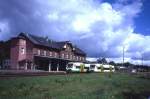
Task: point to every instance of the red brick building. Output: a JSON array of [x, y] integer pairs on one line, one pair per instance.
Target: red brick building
[[28, 51]]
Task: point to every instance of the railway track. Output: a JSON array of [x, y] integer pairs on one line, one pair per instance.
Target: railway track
[[21, 73]]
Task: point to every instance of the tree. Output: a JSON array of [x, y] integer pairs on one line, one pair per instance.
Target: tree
[[112, 63], [102, 61], [102, 68], [127, 64], [82, 68]]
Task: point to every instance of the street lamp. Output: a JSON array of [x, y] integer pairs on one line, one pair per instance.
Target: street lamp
[[123, 56], [142, 59]]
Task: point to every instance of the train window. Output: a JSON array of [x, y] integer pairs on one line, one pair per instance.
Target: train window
[[70, 65], [92, 66], [77, 66], [106, 68], [86, 67]]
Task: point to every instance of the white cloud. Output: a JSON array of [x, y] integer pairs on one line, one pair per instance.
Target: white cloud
[[4, 29], [99, 28], [104, 29]]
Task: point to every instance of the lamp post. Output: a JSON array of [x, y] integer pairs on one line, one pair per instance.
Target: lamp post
[[123, 56], [142, 59]]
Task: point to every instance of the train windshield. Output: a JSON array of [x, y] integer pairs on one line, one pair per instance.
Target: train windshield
[[70, 65]]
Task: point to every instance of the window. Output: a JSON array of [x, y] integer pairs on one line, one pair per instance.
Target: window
[[50, 53], [92, 66], [86, 67], [38, 52], [67, 56], [70, 65], [55, 54], [78, 67], [22, 51], [70, 56], [62, 55], [44, 53], [47, 53], [106, 68], [83, 58], [77, 57], [65, 46], [74, 57]]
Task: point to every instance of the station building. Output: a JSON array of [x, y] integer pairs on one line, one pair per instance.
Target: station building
[[30, 52]]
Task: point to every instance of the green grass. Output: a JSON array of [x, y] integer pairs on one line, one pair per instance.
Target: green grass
[[75, 86]]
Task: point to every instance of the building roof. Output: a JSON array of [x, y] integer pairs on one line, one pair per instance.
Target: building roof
[[45, 41]]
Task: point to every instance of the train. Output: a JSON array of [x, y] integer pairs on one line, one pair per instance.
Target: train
[[89, 67]]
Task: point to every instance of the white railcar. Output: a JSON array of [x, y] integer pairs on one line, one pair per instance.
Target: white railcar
[[85, 67], [77, 67], [101, 68], [108, 68], [95, 67]]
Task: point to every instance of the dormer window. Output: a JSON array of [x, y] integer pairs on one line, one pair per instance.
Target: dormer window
[[65, 46]]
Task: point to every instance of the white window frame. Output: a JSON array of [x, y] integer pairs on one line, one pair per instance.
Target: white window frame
[[22, 50], [55, 54], [39, 51], [62, 55], [44, 53], [50, 53], [67, 56], [74, 57]]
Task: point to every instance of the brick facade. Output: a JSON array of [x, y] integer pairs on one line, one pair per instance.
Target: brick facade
[[23, 52]]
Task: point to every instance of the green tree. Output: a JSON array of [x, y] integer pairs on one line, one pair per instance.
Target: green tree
[[102, 68], [112, 63], [110, 68], [102, 61], [82, 68]]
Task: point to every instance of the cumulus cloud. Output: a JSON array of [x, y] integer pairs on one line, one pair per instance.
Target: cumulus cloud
[[4, 29], [101, 29]]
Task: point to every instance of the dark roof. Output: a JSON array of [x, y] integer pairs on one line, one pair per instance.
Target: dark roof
[[45, 41], [79, 51]]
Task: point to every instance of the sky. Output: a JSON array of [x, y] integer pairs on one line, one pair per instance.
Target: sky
[[99, 27]]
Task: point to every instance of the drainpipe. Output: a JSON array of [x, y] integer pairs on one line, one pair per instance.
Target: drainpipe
[[26, 66], [49, 68], [58, 67]]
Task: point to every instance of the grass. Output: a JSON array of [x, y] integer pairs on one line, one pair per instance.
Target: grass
[[76, 86]]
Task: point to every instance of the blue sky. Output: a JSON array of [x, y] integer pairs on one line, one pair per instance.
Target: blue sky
[[100, 27], [142, 22]]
